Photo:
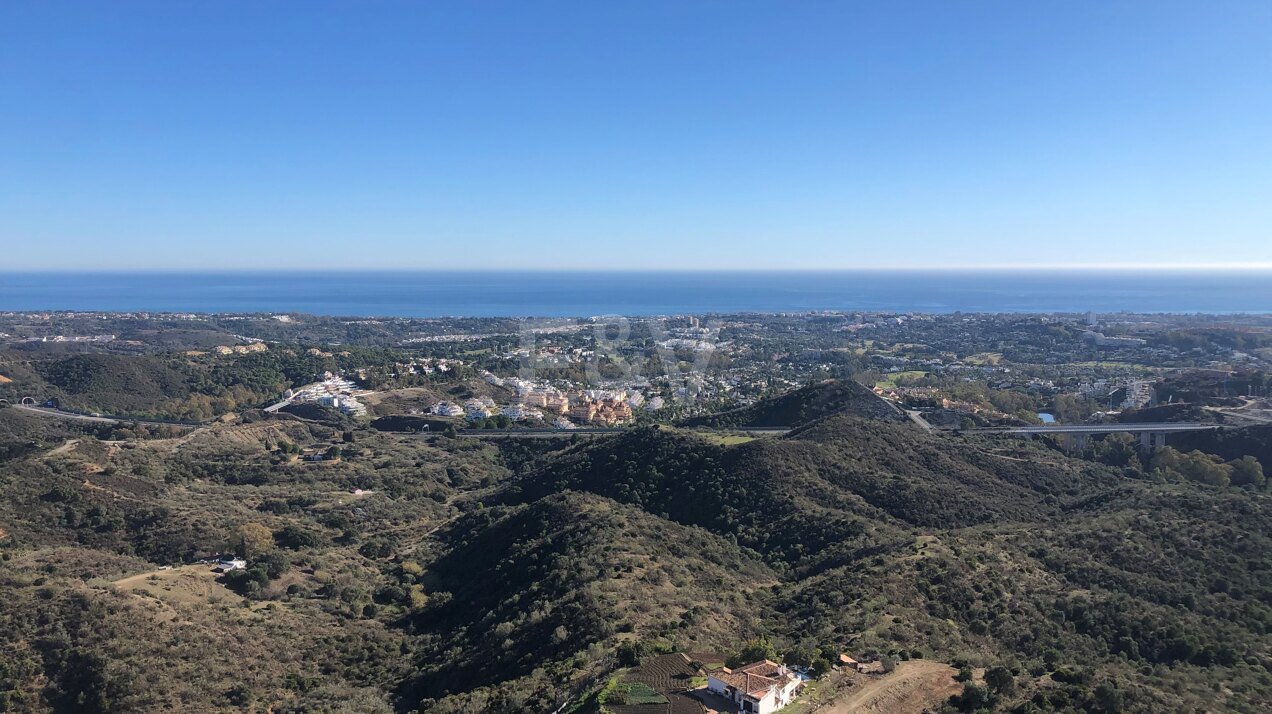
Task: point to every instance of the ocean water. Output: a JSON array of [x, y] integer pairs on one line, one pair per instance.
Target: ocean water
[[555, 294]]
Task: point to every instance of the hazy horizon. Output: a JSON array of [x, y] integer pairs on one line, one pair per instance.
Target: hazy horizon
[[967, 269]]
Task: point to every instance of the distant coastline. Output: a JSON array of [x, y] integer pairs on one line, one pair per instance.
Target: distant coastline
[[501, 293]]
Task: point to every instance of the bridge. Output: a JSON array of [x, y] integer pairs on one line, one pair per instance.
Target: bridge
[[551, 433], [1073, 437]]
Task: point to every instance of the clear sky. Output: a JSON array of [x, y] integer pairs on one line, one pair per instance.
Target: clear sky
[[634, 134]]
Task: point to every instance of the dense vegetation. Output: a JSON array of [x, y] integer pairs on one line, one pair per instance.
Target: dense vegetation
[[804, 405], [189, 386], [424, 572]]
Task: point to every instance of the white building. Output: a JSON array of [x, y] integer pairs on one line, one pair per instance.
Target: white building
[[1138, 395], [520, 412], [228, 564], [449, 409], [760, 688], [1101, 340]]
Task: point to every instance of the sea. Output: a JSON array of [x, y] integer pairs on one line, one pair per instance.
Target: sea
[[632, 293]]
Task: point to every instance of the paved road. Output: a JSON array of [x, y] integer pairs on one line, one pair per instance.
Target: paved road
[[594, 431], [917, 417], [278, 405], [1128, 428], [76, 416], [1245, 415]]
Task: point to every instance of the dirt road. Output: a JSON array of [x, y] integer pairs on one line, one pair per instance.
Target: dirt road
[[909, 689]]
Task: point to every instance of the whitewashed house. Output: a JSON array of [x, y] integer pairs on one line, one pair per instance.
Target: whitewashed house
[[761, 687]]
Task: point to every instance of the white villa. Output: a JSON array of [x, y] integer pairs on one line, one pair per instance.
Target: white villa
[[447, 409], [520, 412], [761, 687]]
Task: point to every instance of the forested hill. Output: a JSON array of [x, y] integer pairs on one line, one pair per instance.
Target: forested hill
[[444, 575], [887, 538], [801, 499], [804, 405], [540, 584]]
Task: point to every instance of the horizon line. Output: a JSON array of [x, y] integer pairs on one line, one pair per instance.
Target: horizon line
[[1094, 267]]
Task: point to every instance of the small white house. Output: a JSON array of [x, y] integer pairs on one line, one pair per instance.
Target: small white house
[[761, 687], [226, 565]]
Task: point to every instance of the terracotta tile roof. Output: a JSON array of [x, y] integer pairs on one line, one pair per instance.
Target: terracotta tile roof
[[755, 679]]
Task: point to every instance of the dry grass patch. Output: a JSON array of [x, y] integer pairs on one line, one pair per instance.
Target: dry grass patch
[[913, 687], [185, 585]]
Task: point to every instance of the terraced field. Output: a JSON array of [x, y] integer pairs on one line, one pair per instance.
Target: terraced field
[[671, 675]]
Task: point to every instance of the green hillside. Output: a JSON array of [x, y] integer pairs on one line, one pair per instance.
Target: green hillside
[[522, 591], [804, 498], [804, 405], [892, 540], [436, 574]]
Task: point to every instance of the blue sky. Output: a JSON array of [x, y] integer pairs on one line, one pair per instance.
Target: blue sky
[[634, 134]]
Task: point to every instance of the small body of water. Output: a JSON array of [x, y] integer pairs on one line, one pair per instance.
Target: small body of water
[[1047, 418]]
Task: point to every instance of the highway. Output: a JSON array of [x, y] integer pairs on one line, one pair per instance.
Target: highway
[[595, 431], [97, 419], [547, 433], [1125, 428]]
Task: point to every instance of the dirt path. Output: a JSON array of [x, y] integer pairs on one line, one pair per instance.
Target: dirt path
[[194, 584], [70, 444], [111, 492], [1246, 413], [909, 689]]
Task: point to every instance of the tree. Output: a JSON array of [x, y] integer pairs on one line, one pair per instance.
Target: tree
[[1108, 698], [973, 698], [275, 563], [1167, 461], [294, 537], [1000, 680], [1120, 449], [1247, 471], [1193, 466], [253, 539], [753, 651], [800, 656], [1204, 468], [1072, 409], [249, 581]]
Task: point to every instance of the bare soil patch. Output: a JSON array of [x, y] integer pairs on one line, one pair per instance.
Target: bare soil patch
[[185, 584], [909, 689]]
